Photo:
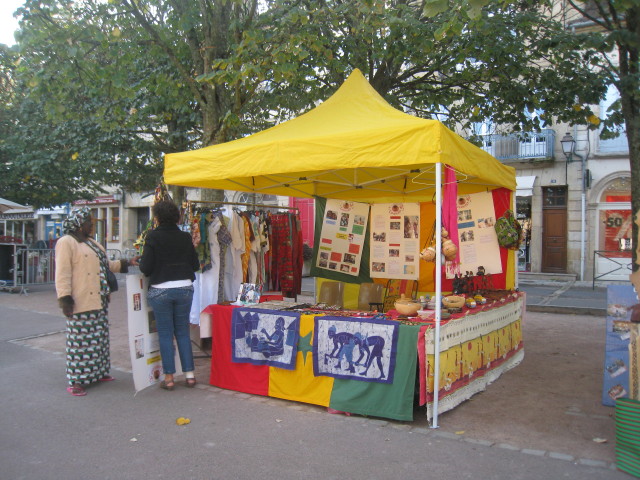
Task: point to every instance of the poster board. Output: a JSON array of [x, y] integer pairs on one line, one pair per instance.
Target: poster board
[[144, 345], [395, 240], [615, 382], [342, 236], [477, 239]]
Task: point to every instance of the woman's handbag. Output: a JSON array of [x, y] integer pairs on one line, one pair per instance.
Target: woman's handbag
[[112, 281], [508, 230]]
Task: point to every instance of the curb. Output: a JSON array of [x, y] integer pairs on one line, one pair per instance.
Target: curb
[[597, 312]]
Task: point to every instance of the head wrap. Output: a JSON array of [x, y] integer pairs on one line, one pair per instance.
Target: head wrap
[[75, 220]]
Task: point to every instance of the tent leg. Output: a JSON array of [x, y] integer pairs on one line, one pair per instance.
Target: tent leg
[[436, 352]]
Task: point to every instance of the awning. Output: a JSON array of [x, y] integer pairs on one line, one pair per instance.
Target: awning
[[524, 186]]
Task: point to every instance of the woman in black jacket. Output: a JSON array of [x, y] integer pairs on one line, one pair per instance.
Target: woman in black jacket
[[169, 260]]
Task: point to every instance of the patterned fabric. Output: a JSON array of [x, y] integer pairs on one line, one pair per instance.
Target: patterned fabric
[[104, 266], [282, 277], [265, 337], [247, 248], [75, 220], [87, 349], [340, 345]]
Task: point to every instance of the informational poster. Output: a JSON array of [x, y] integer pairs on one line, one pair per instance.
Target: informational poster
[[144, 346], [395, 240], [342, 236], [476, 233]]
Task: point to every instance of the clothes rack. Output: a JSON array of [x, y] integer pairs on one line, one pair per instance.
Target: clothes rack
[[221, 202]]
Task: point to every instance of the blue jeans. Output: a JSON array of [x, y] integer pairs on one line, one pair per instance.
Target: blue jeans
[[171, 308]]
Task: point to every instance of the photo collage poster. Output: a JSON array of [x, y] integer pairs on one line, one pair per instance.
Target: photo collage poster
[[395, 240], [144, 345], [476, 234], [342, 237]]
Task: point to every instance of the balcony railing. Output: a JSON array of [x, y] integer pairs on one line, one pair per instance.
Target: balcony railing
[[520, 146]]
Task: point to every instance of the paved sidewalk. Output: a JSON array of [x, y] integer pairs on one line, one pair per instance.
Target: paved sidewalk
[[548, 407], [565, 297]]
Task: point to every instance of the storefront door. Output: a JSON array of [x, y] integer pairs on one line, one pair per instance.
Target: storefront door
[[554, 229]]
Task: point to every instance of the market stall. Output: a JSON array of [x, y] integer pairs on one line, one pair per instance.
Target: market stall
[[476, 348], [354, 147]]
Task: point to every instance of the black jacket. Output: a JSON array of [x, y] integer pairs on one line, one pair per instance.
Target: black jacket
[[168, 254]]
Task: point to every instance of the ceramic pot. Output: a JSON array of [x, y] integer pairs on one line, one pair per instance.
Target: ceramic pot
[[407, 306]]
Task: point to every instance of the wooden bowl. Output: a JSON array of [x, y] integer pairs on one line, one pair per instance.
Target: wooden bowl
[[453, 301]]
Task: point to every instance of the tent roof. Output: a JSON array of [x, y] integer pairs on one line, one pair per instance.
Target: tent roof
[[353, 146]]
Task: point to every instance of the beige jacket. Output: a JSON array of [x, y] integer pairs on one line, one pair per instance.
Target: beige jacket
[[78, 273]]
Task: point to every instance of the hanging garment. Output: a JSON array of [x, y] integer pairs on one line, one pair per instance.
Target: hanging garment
[[206, 285], [233, 260], [247, 248], [224, 240]]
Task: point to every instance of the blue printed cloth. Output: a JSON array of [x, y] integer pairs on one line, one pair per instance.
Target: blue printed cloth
[[355, 348], [265, 337]]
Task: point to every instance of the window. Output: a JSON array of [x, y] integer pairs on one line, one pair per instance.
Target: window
[[618, 144], [554, 196], [115, 223]]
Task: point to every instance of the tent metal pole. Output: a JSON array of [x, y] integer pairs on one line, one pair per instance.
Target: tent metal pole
[[222, 202], [516, 253], [436, 351]]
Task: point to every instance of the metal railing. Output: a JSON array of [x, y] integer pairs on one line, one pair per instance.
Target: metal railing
[[614, 262], [29, 266], [520, 146], [36, 266]]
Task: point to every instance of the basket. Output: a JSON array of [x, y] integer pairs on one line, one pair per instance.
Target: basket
[[453, 301]]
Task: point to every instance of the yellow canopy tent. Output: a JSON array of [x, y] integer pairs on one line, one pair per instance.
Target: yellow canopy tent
[[353, 146]]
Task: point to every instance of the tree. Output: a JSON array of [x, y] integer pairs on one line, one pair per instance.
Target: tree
[[104, 89], [517, 60], [614, 30], [618, 29]]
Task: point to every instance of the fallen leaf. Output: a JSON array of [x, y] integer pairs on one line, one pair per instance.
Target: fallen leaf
[[460, 432]]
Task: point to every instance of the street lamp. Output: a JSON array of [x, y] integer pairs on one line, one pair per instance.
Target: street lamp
[[568, 144]]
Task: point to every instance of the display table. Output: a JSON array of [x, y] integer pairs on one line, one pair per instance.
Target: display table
[[393, 400], [475, 350], [491, 339]]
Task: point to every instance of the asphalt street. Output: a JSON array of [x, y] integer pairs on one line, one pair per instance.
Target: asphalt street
[[114, 434]]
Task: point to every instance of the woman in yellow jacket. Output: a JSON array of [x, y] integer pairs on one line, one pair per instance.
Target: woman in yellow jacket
[[83, 294]]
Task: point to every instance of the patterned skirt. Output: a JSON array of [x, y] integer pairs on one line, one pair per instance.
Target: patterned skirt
[[88, 357]]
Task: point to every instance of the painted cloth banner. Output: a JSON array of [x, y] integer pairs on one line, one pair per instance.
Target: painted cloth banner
[[265, 337], [355, 349], [364, 398]]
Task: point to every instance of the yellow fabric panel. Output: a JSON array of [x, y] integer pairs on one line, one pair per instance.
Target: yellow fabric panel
[[426, 282], [516, 333], [300, 385], [504, 340], [449, 367], [490, 348], [353, 146], [472, 356]]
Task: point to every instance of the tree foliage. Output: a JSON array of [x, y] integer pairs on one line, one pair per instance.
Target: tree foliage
[[107, 87]]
